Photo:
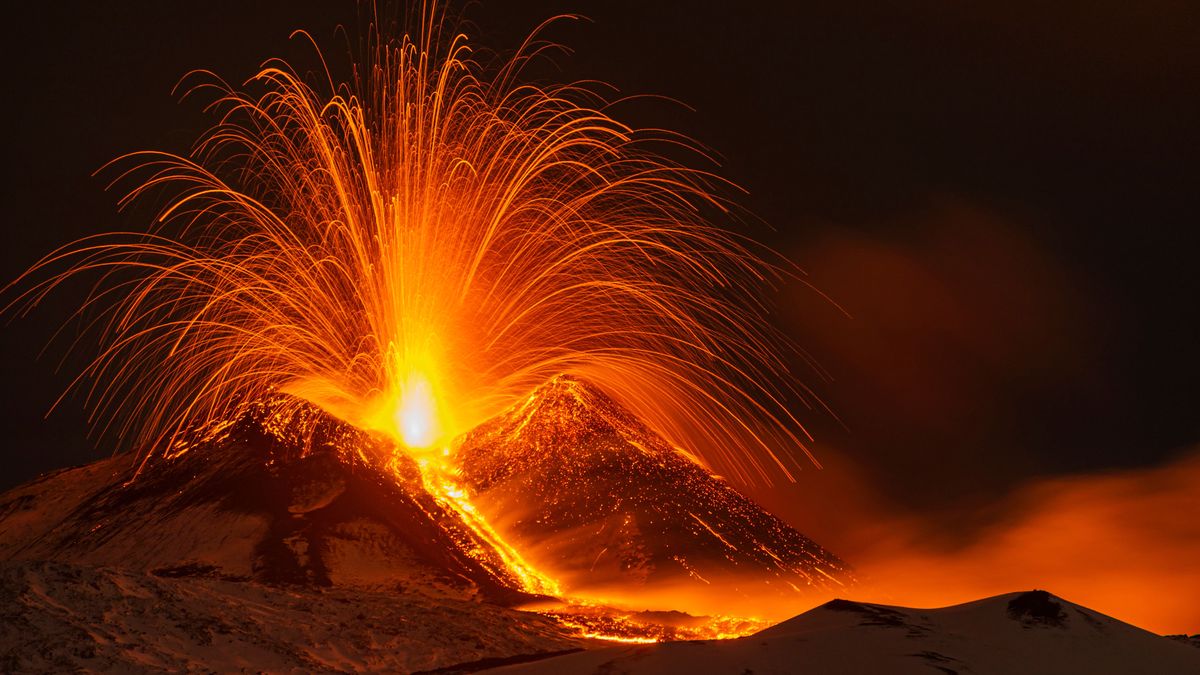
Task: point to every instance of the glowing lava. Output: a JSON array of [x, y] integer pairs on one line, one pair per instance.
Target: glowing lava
[[416, 415], [419, 234], [439, 481], [413, 245]]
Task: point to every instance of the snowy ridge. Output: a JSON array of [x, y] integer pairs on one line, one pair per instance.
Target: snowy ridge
[[1032, 633]]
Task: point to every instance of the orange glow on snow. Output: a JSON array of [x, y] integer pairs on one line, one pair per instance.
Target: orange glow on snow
[[1118, 542]]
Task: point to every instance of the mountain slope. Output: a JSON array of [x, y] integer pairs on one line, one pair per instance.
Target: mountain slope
[[282, 494], [600, 500], [1032, 633], [278, 541]]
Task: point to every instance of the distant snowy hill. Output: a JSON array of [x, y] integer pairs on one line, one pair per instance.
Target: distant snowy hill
[[1031, 633]]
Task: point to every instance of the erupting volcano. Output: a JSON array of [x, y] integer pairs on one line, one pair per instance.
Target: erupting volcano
[[415, 250], [424, 363], [347, 277]]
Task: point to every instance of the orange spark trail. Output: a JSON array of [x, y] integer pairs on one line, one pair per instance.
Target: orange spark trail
[[416, 247], [428, 232]]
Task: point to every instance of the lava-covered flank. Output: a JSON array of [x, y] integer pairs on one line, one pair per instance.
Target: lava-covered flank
[[600, 498]]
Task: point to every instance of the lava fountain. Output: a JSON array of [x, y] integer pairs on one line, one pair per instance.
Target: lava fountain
[[415, 247]]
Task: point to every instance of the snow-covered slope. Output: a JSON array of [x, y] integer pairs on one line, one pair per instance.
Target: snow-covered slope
[[1027, 633], [60, 618]]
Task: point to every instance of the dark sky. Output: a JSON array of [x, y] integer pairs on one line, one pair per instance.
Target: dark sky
[[1002, 194]]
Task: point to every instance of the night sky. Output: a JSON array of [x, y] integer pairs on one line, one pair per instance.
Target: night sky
[[1002, 195]]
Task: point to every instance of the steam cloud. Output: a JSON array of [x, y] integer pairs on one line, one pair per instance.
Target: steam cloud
[[1123, 543]]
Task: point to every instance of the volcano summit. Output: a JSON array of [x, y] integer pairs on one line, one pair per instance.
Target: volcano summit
[[608, 505]]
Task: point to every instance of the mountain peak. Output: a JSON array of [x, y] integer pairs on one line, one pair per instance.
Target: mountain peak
[[604, 500], [561, 413]]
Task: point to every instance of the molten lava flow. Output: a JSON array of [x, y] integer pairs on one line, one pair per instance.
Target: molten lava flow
[[439, 482], [585, 618], [417, 425], [600, 622]]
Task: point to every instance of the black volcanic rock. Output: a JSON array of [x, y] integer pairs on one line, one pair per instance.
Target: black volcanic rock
[[1036, 608], [1191, 640], [282, 494], [600, 499]]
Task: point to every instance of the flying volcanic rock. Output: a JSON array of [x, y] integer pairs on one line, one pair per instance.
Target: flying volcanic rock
[[593, 495], [282, 494]]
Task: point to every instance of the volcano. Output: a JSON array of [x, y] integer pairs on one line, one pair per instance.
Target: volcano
[[339, 542], [606, 504], [284, 540]]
